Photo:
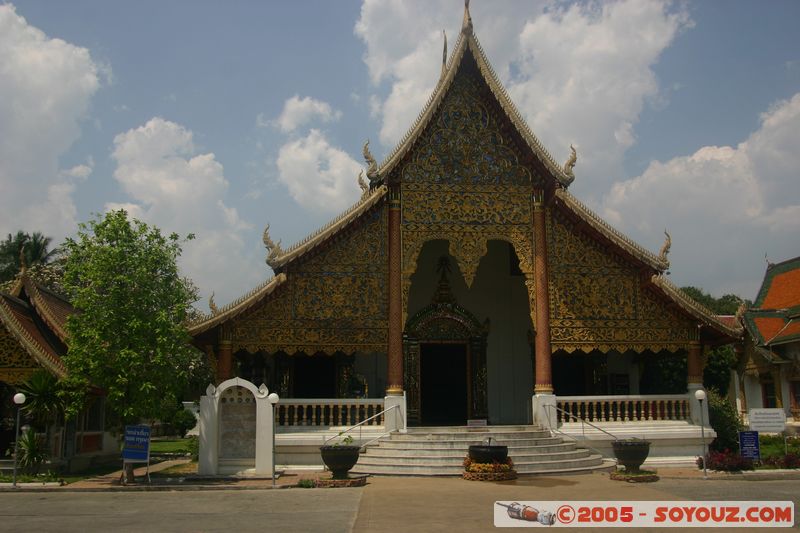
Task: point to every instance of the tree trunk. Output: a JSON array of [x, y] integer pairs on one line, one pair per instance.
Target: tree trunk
[[128, 473]]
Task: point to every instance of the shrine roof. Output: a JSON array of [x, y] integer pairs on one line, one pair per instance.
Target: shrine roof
[[781, 286], [53, 308], [277, 260], [468, 42], [236, 307], [657, 262], [775, 317], [33, 335], [698, 311]]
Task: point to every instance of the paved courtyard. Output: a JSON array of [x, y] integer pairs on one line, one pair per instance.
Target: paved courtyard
[[385, 504]]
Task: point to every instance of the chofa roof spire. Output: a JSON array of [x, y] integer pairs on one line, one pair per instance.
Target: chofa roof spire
[[466, 26]]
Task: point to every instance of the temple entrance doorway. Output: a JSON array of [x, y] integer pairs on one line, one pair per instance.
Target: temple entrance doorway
[[444, 384]]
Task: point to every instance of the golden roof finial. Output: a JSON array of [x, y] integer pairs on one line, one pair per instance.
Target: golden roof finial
[[662, 255], [740, 311], [444, 54], [372, 168], [569, 166], [273, 248], [22, 263], [212, 305], [362, 183], [466, 26]]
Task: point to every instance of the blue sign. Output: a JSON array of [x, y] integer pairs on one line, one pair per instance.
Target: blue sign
[[748, 445], [137, 444]]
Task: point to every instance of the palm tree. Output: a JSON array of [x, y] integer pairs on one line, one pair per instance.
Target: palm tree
[[35, 252]]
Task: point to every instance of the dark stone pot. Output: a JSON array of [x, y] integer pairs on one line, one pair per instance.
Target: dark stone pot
[[339, 459], [631, 453], [485, 453]]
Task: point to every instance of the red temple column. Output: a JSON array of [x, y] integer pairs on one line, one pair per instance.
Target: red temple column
[[544, 374], [394, 371], [695, 364]]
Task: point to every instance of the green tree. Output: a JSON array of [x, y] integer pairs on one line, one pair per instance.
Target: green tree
[[721, 360], [36, 252], [129, 337]]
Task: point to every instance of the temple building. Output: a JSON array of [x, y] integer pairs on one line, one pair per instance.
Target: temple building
[[768, 374], [467, 285], [34, 338]]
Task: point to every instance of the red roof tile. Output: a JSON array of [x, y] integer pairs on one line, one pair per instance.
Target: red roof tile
[[784, 291], [768, 327]]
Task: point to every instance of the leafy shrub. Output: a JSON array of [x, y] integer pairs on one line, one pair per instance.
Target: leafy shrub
[[31, 453], [194, 447], [725, 421], [790, 460], [182, 421], [306, 483], [726, 461]]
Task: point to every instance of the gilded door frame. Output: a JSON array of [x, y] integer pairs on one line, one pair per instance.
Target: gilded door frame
[[446, 322]]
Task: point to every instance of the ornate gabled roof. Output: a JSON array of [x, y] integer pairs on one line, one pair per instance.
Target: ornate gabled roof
[[238, 306], [468, 41], [774, 318], [20, 319], [698, 311], [781, 286], [51, 307], [657, 262], [333, 227]]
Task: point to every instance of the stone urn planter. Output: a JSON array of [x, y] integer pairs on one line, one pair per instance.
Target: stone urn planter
[[631, 453], [488, 452], [339, 458]]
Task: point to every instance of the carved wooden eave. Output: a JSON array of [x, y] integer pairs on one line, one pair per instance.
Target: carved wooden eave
[[697, 311], [468, 41], [329, 230], [237, 307], [616, 237], [40, 350], [52, 308]]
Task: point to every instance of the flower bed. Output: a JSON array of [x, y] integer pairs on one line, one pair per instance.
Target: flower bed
[[494, 471]]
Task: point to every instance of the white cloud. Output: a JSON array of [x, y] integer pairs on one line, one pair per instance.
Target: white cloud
[[298, 112], [46, 86], [319, 176], [725, 206], [579, 74], [79, 172], [173, 187]]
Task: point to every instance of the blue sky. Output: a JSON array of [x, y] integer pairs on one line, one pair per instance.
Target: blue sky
[[218, 118]]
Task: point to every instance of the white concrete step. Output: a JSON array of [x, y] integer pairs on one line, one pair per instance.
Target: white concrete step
[[464, 444], [441, 451], [398, 451], [432, 459]]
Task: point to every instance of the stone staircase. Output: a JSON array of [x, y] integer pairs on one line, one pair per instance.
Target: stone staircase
[[440, 451]]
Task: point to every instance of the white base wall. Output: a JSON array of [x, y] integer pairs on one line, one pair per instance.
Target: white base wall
[[672, 443]]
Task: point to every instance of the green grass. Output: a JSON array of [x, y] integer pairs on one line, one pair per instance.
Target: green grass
[[169, 446], [772, 445]]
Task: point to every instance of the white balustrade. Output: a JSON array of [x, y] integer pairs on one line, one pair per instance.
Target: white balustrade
[[328, 412], [627, 408]]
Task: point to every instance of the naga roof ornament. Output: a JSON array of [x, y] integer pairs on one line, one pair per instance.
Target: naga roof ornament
[[569, 166], [372, 168], [212, 305], [362, 184], [273, 248], [22, 264], [444, 55], [662, 254]]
